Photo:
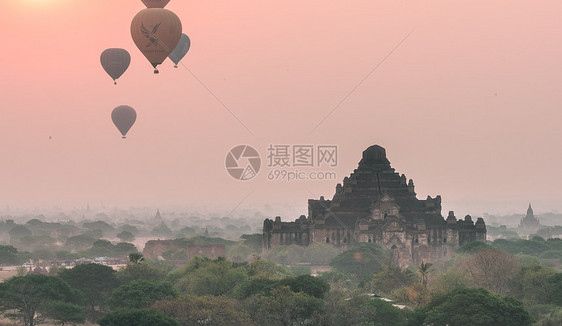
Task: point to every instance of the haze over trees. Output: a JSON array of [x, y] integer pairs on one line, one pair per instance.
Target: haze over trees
[[507, 278]]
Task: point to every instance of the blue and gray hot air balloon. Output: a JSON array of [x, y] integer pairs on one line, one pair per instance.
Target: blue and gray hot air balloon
[[181, 50]]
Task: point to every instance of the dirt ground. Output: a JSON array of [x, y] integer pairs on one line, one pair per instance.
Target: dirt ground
[[7, 272]]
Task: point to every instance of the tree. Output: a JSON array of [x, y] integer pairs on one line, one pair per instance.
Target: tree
[[140, 294], [136, 258], [96, 282], [556, 288], [389, 279], [142, 270], [205, 310], [137, 317], [361, 261], [25, 296], [101, 248], [472, 307], [282, 307], [320, 253], [123, 249], [65, 313], [205, 276], [239, 252], [80, 242], [309, 285], [491, 269], [424, 270], [8, 255], [126, 236], [473, 247], [260, 268], [531, 284]]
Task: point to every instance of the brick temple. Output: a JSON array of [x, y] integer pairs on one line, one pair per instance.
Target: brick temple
[[376, 204]]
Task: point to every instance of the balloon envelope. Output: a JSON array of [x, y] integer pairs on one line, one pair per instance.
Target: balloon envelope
[[156, 32], [115, 62], [124, 117], [181, 50], [155, 3]]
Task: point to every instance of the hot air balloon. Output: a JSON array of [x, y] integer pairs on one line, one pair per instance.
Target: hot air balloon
[[155, 3], [115, 62], [124, 117], [156, 32], [181, 50]]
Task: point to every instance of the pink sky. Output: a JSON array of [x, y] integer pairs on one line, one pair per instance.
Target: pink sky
[[469, 105]]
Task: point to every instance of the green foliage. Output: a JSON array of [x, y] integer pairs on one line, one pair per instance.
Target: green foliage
[[531, 284], [254, 241], [205, 276], [389, 279], [65, 313], [520, 246], [80, 242], [123, 249], [143, 270], [8, 255], [140, 294], [282, 307], [137, 317], [256, 286], [474, 307], [205, 310], [136, 257], [239, 252], [98, 225], [95, 281], [301, 269], [320, 253], [162, 231], [377, 312], [23, 297], [287, 255], [126, 236], [473, 247], [266, 269], [361, 261], [309, 285], [556, 288]]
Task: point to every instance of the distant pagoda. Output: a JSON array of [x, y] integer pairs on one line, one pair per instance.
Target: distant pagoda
[[529, 224]]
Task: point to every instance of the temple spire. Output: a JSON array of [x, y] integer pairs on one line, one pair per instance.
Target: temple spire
[[530, 211]]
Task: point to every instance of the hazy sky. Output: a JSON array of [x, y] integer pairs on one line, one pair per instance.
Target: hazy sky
[[465, 97]]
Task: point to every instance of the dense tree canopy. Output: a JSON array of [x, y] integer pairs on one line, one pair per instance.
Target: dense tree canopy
[[473, 307], [95, 281], [24, 297], [140, 294], [137, 317], [8, 255]]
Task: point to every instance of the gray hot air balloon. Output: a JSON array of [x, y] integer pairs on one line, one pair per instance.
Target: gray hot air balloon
[[124, 117], [181, 50], [115, 62]]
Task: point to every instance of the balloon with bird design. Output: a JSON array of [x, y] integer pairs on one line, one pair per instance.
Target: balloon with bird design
[[156, 32]]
